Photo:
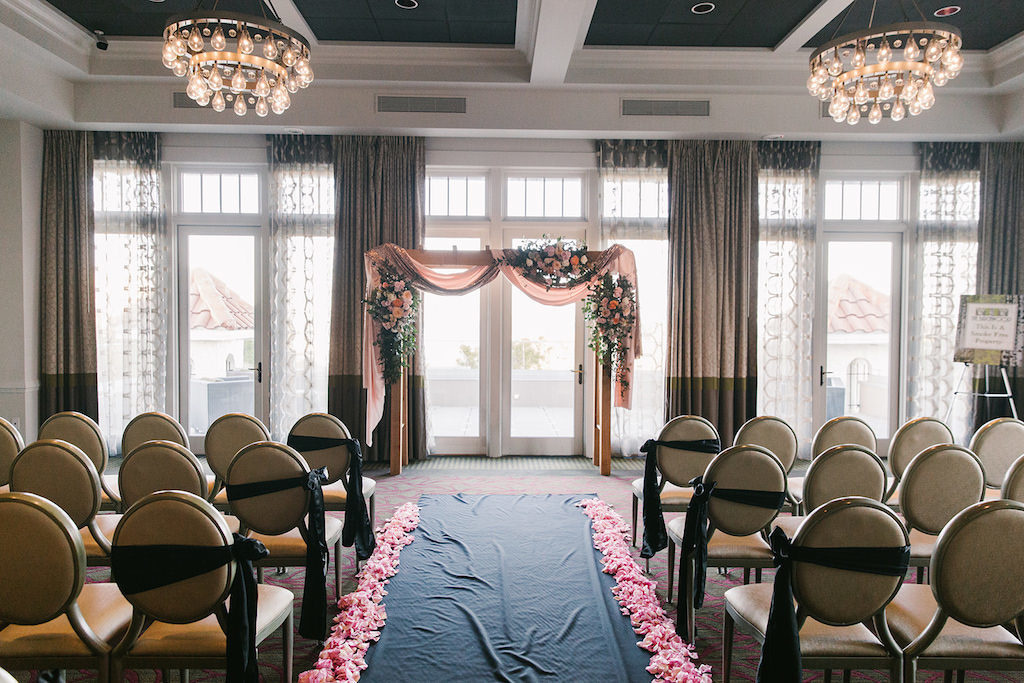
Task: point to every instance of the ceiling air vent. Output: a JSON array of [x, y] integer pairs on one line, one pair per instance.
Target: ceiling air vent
[[183, 101], [666, 107], [425, 105]]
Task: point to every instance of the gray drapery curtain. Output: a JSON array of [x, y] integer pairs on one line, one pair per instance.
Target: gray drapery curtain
[[634, 188], [302, 226], [68, 309], [1001, 251], [943, 248], [787, 199], [133, 280], [713, 244], [379, 197]]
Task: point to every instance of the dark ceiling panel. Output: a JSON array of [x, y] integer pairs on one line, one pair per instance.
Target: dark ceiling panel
[[136, 17], [983, 23], [434, 21], [733, 23]]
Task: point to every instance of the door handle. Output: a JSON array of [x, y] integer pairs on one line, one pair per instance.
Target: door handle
[[259, 372], [579, 374], [821, 376]]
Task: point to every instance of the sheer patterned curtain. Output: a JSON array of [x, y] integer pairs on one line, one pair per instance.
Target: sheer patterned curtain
[[132, 273], [301, 254], [634, 213], [787, 183], [943, 265]]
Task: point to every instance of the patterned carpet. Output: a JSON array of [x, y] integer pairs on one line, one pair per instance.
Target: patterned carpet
[[508, 477]]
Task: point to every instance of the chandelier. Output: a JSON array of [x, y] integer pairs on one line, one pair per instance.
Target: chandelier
[[891, 69], [237, 59]]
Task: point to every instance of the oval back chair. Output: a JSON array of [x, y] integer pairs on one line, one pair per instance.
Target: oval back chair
[[11, 444], [225, 437], [997, 444], [772, 433], [910, 439], [845, 429], [82, 431], [152, 426], [1013, 483], [158, 465]]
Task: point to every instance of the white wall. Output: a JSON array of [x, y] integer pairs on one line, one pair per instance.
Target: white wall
[[21, 162]]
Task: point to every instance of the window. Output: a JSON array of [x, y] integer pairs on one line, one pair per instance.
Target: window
[[544, 197], [635, 197], [862, 200], [220, 193], [456, 196]]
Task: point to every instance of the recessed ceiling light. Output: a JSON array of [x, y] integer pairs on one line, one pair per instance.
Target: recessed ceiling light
[[773, 136], [703, 8], [407, 4], [156, 0], [947, 11], [295, 131]]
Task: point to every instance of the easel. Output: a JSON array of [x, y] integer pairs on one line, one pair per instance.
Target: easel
[[398, 393], [1008, 394]]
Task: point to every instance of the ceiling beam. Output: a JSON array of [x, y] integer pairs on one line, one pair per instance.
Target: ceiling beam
[[552, 50], [818, 19], [292, 18]]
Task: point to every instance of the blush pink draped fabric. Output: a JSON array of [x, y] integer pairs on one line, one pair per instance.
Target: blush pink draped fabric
[[616, 259]]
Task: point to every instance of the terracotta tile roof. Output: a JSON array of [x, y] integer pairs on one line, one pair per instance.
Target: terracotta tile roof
[[213, 305], [855, 307]]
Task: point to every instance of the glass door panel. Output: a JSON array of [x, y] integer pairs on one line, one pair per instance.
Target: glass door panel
[[221, 350], [858, 376], [542, 394], [452, 359]]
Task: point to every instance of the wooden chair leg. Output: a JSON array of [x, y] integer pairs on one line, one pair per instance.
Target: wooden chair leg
[[636, 503], [746, 575], [846, 675], [757, 575], [947, 676], [671, 566], [920, 575], [183, 675], [727, 635], [828, 676], [287, 654], [961, 676]]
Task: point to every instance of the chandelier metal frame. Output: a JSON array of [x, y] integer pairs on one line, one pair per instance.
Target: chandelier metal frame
[[894, 83], [269, 60]]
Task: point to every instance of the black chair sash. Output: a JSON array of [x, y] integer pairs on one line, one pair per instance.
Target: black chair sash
[[357, 529], [313, 621], [139, 568], [696, 526], [780, 652], [655, 537]]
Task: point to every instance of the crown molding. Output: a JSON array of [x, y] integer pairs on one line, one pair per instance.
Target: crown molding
[[50, 31]]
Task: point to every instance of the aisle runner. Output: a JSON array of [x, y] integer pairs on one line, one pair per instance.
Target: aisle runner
[[505, 588]]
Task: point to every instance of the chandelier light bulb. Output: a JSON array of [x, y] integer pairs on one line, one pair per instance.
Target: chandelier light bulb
[[853, 117], [203, 99], [289, 57], [261, 107], [215, 80], [245, 44], [915, 108], [839, 116], [169, 60], [291, 84], [180, 46], [813, 85], [820, 73], [886, 90], [835, 67], [860, 95], [911, 52], [270, 48], [858, 60], [237, 80], [909, 91], [898, 112], [875, 115], [262, 88], [933, 51], [276, 107], [217, 40], [218, 102], [939, 77], [240, 106], [180, 68], [884, 52], [195, 39]]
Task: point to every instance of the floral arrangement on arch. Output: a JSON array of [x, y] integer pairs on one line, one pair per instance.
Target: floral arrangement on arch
[[551, 262], [393, 304], [611, 311]]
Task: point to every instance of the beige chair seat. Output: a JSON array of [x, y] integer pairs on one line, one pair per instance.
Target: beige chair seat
[[789, 524], [753, 602], [720, 545], [292, 545], [911, 611], [921, 545], [335, 494], [205, 638], [104, 609], [796, 487], [670, 495], [993, 494]]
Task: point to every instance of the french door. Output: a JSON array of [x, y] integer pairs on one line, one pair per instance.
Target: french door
[[503, 373], [222, 362], [857, 330]]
